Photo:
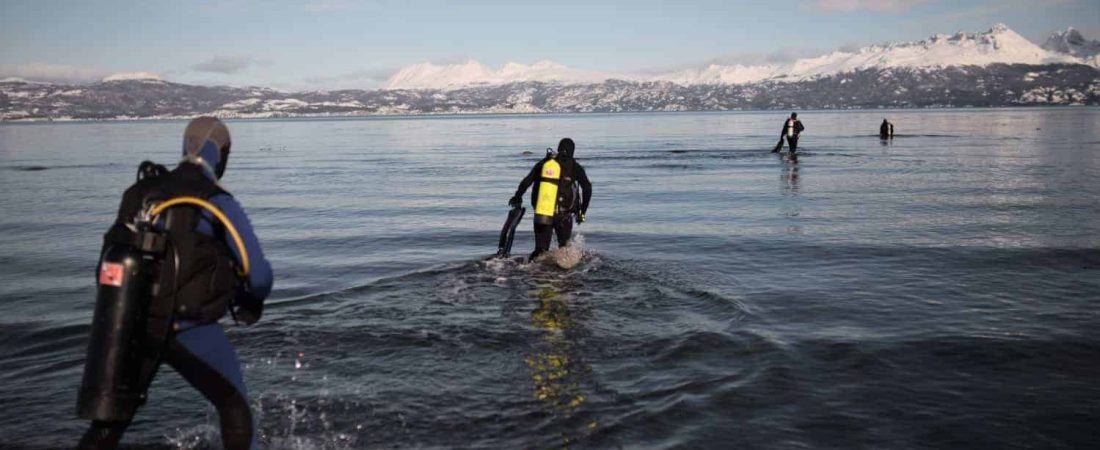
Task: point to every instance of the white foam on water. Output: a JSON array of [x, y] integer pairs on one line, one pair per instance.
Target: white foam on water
[[500, 266], [569, 256], [199, 436]]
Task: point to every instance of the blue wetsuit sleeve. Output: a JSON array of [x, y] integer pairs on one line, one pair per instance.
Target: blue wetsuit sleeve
[[260, 276]]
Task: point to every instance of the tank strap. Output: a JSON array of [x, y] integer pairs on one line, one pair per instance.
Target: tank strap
[[162, 305]]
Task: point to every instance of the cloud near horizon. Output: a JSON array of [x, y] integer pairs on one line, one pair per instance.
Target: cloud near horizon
[[229, 64], [880, 6], [781, 55], [40, 71], [359, 79]]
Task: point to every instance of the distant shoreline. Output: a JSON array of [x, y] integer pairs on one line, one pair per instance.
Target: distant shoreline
[[459, 115]]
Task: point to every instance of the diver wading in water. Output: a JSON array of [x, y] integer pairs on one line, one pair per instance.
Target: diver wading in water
[[886, 130], [515, 215], [556, 197], [180, 254], [792, 127]]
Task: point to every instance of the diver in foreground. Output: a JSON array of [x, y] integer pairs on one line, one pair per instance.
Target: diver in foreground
[[180, 254], [555, 197]]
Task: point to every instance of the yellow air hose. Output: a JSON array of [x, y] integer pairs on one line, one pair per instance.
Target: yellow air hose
[[160, 207]]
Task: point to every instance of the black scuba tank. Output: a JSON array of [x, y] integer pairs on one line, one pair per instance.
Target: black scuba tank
[[113, 385]]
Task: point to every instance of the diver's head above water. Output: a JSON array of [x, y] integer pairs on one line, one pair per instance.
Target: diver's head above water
[[206, 143], [565, 149]]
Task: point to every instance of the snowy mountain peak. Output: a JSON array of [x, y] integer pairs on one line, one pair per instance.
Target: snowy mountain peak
[[473, 73], [16, 80], [430, 76], [1072, 42], [999, 45], [133, 76]]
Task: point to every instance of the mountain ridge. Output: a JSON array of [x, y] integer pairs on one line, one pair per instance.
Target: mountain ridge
[[990, 86], [998, 45], [1071, 42], [994, 68]]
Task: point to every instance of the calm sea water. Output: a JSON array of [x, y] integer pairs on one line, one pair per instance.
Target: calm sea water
[[936, 291]]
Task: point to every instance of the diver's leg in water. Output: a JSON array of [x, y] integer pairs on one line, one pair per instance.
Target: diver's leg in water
[[793, 141], [102, 435], [563, 226], [543, 235], [204, 357]]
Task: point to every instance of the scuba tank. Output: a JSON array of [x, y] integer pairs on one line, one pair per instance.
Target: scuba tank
[[113, 386], [147, 277], [547, 202]]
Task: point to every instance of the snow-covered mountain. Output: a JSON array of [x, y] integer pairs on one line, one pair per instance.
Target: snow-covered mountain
[[1071, 42], [723, 74], [132, 76], [999, 45], [993, 68], [903, 87], [473, 73]]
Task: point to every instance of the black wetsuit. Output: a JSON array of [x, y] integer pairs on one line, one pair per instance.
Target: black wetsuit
[[886, 130], [572, 175], [792, 138], [203, 356]]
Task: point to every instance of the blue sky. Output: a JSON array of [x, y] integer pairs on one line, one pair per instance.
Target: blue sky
[[352, 43]]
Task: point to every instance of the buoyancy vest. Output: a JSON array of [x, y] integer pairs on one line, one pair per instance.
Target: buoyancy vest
[[197, 279], [790, 127], [568, 191]]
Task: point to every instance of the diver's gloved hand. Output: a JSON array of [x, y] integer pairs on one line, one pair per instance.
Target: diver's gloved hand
[[245, 316], [515, 202], [246, 309], [580, 218]]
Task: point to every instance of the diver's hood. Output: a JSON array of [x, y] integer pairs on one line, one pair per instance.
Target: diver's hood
[[206, 143], [565, 150]]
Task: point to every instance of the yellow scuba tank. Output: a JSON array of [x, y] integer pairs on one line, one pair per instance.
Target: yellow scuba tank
[[547, 202]]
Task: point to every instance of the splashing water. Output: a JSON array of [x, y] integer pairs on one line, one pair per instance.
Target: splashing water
[[569, 256], [195, 437]]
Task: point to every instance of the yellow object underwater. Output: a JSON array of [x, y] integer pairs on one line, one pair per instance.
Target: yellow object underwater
[[548, 189], [217, 213]]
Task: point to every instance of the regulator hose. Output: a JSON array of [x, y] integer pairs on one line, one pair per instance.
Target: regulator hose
[[155, 211]]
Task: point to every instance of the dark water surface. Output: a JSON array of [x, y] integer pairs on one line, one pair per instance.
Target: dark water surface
[[937, 291]]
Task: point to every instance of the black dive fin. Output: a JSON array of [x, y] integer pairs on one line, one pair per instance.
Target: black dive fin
[[509, 231]]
